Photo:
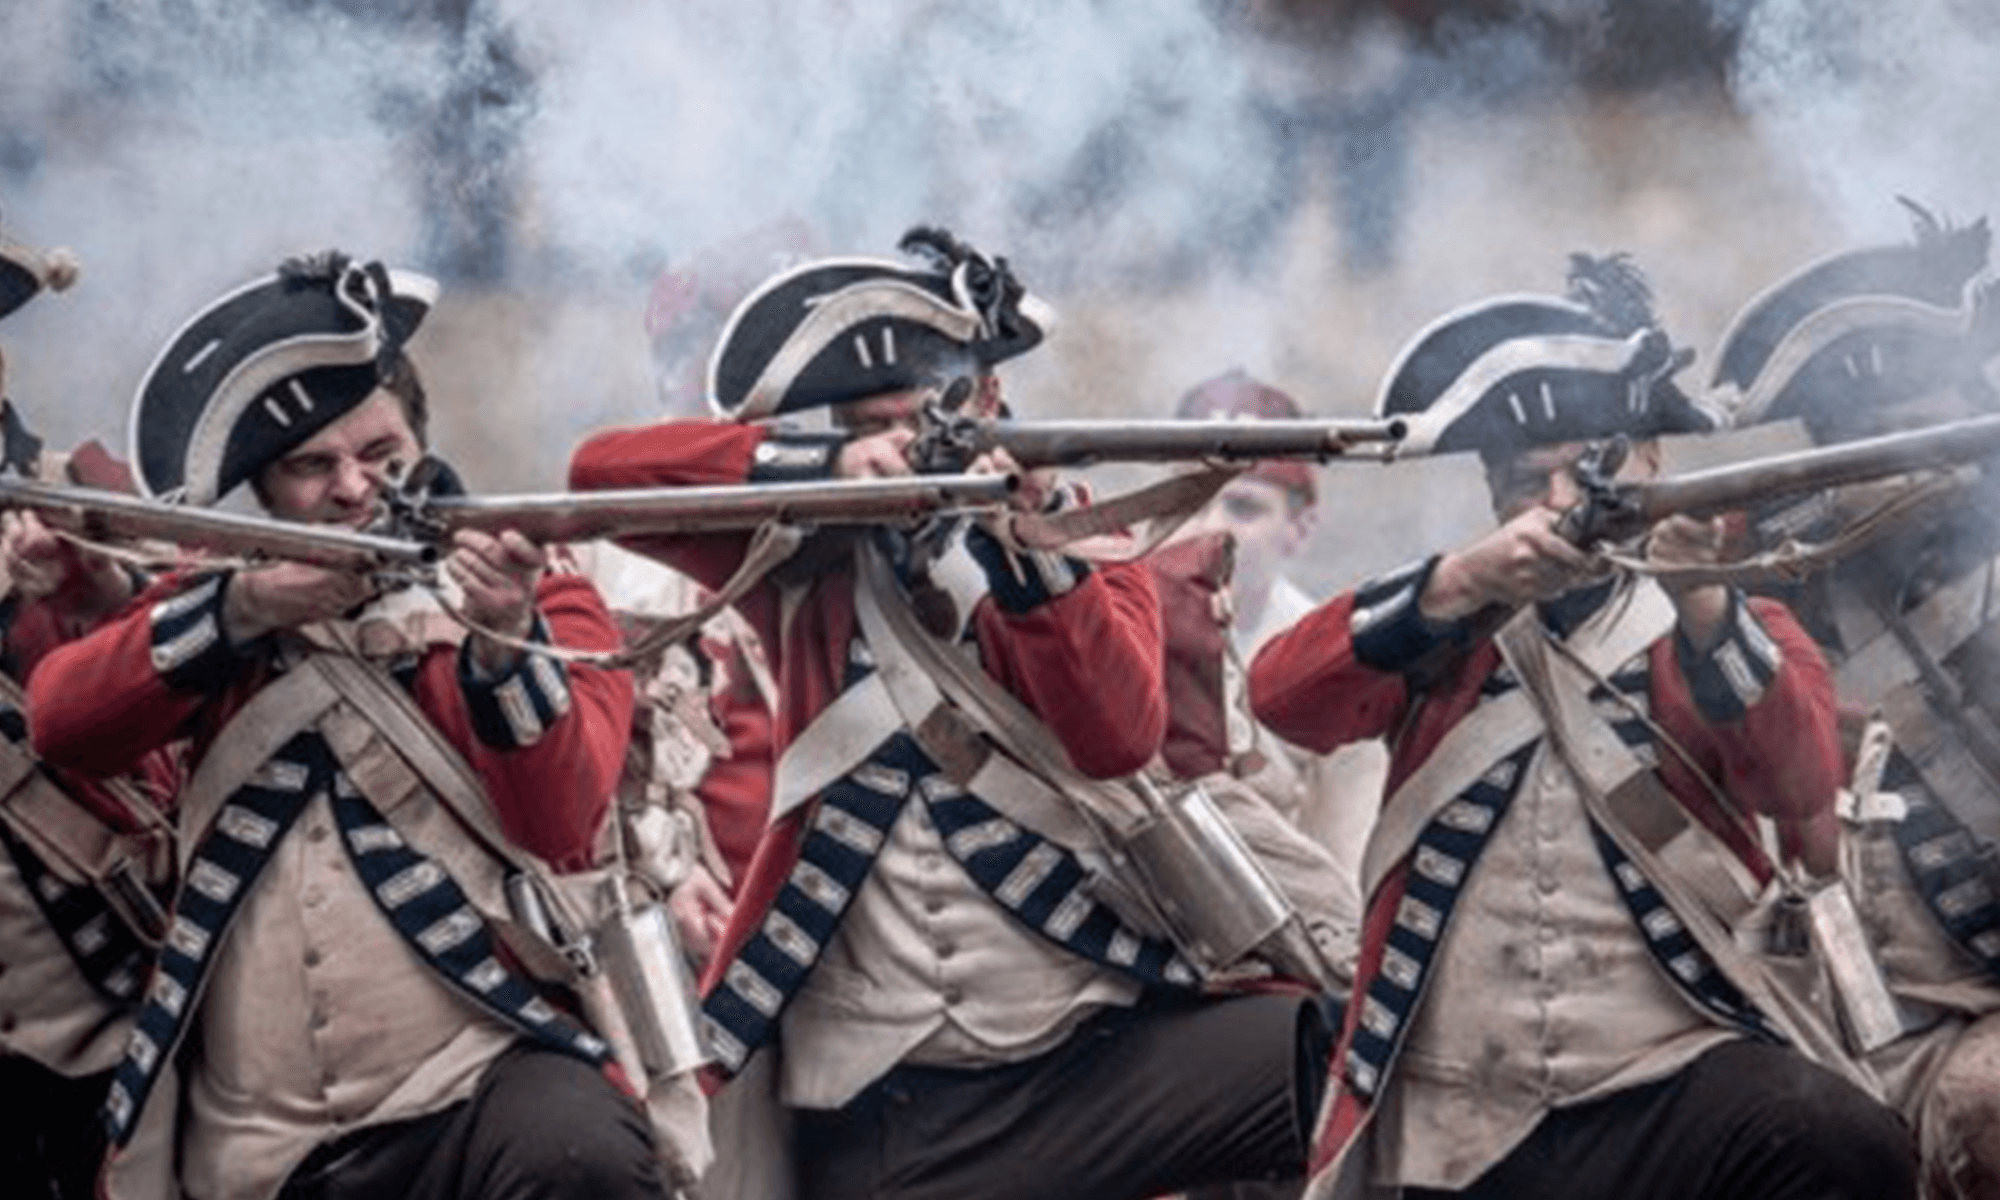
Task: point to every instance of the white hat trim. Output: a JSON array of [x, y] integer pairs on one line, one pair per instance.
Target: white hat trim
[[256, 374], [1822, 328], [833, 314], [1575, 352]]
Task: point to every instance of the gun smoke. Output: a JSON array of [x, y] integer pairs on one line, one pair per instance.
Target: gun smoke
[[1293, 188]]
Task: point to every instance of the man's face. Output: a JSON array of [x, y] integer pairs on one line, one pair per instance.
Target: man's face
[[334, 477], [1267, 527], [900, 410], [1544, 477]]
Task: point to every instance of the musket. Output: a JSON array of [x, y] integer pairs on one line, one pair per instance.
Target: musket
[[1613, 510], [107, 516], [585, 516], [414, 532], [950, 440]]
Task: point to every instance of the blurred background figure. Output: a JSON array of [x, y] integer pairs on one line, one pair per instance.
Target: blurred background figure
[[1270, 513]]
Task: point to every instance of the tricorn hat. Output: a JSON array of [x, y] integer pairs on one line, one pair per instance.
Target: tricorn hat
[[1834, 342], [1515, 372], [843, 329], [266, 367]]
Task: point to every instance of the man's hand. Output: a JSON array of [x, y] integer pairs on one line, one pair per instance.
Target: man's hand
[[41, 564], [1520, 563], [700, 909], [876, 455], [1034, 487], [499, 576], [287, 595], [1683, 541]]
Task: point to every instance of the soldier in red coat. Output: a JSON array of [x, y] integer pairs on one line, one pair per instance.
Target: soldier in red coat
[[334, 1012], [1591, 773], [1863, 342], [924, 961], [82, 861]]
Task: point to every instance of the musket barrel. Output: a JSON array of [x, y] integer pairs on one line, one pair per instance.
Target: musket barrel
[[97, 513], [1075, 443], [1721, 488], [584, 516]]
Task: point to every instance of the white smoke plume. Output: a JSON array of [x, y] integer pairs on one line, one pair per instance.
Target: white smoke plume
[[1195, 183]]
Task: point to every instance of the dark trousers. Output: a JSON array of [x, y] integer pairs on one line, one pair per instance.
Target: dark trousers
[[1137, 1103], [1746, 1121], [50, 1139], [540, 1126]]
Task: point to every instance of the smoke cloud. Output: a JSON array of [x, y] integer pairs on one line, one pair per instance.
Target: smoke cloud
[[1292, 188]]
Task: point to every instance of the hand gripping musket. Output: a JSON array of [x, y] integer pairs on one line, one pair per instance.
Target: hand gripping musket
[[1614, 511], [950, 440]]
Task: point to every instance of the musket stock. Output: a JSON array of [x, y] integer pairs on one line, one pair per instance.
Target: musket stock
[[107, 516]]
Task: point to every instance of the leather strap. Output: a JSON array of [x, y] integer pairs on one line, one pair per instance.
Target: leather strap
[[421, 754], [1496, 729], [1597, 757], [975, 730], [280, 709]]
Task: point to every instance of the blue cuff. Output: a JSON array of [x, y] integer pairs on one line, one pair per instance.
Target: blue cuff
[[795, 455], [1389, 631], [1732, 676], [190, 650], [515, 709], [1024, 579]]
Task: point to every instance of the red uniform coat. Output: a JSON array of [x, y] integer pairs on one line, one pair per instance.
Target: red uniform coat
[[38, 628], [97, 706], [1780, 757], [1087, 661]]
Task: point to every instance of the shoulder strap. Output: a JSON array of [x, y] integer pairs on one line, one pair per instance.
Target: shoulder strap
[[280, 709], [392, 713], [1636, 810], [1495, 730], [991, 744], [938, 689], [418, 747]]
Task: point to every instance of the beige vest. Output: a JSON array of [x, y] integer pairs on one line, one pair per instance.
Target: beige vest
[[48, 1011], [926, 968], [1544, 995], [317, 1019]]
